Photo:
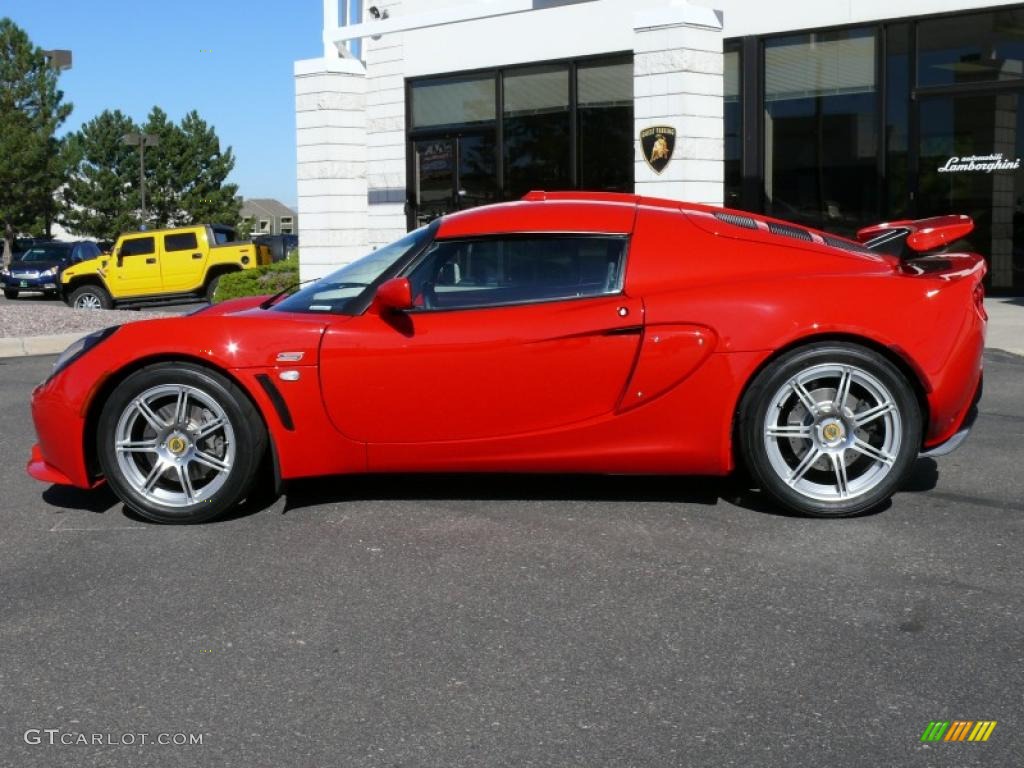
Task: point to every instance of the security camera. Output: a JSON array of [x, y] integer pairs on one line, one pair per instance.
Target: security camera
[[377, 13]]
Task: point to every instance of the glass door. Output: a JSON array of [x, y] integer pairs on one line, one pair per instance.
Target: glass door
[[970, 151], [452, 173]]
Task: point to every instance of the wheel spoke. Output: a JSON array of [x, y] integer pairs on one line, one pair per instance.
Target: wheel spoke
[[812, 455], [864, 417], [153, 476], [205, 430], [871, 452], [186, 483], [839, 468], [805, 397], [136, 446], [181, 407], [843, 390], [150, 415], [790, 430], [210, 461]]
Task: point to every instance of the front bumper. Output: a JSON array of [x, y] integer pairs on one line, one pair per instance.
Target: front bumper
[[19, 283]]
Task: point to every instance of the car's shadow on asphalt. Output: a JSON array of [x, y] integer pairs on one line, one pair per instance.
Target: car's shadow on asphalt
[[69, 499], [302, 494]]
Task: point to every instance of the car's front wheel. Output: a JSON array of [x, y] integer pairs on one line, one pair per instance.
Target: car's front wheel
[[830, 430], [180, 443], [9, 294], [90, 297]]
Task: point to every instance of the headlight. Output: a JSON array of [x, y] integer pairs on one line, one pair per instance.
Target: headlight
[[79, 348], [49, 273]]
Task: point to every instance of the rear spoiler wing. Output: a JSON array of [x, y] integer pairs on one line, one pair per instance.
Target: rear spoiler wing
[[920, 235]]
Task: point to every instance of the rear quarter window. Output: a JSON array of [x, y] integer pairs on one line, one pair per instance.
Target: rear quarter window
[[183, 241]]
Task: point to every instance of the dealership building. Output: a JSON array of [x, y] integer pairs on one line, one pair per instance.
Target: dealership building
[[833, 114]]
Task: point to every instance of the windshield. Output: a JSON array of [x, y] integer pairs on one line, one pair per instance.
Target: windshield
[[343, 291], [45, 253]]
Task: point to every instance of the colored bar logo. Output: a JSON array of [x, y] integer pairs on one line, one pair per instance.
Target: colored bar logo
[[958, 730]]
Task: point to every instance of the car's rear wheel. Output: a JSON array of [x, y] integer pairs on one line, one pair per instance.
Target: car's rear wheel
[[211, 288], [180, 443], [8, 294], [830, 430], [90, 297]]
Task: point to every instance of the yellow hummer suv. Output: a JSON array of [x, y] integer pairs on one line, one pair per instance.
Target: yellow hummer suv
[[160, 266]]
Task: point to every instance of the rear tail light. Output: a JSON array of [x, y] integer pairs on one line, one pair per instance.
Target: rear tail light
[[979, 300]]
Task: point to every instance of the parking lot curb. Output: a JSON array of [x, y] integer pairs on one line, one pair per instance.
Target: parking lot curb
[[24, 346]]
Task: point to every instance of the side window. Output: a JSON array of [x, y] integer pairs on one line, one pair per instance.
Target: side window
[[457, 274], [139, 246], [184, 241]]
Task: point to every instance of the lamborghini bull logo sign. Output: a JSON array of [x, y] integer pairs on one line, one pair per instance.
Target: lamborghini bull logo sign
[[658, 143]]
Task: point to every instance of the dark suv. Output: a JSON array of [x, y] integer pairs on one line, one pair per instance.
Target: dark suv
[[39, 267]]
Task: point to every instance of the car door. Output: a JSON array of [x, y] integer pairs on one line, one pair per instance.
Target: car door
[[510, 336], [183, 261], [135, 270]]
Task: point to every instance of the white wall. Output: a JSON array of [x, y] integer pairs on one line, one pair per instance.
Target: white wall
[[755, 17]]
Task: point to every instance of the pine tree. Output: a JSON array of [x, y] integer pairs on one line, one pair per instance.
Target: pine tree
[[206, 197], [31, 110], [166, 171], [101, 198]]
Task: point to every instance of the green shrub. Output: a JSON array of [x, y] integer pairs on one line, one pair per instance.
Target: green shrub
[[260, 281]]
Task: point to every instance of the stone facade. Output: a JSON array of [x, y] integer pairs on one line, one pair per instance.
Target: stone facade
[[351, 122]]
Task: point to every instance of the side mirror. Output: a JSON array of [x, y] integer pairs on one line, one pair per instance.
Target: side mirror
[[394, 295], [118, 257]]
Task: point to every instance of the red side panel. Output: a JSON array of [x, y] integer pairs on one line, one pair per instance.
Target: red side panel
[[668, 354]]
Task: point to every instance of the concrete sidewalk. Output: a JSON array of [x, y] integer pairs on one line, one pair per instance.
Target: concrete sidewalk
[[1006, 324], [1005, 332]]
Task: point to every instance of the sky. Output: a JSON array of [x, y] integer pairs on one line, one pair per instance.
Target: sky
[[230, 60]]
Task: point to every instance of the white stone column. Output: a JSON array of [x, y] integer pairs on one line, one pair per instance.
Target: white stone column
[[385, 129], [330, 122], [678, 82]]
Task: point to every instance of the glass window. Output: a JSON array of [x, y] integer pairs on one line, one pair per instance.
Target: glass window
[[453, 101], [54, 252], [137, 246], [536, 124], [970, 149], [733, 114], [459, 274], [604, 98], [820, 133], [184, 241], [971, 48], [223, 234], [339, 291], [897, 119]]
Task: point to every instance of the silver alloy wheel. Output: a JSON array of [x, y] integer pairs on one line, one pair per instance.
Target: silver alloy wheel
[[88, 301], [175, 445], [833, 432]]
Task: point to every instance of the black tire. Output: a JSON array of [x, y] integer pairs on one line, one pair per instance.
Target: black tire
[[90, 294], [211, 288], [768, 458], [9, 294], [249, 438]]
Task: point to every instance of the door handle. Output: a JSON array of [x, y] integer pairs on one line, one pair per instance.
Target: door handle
[[197, 255], [151, 260]]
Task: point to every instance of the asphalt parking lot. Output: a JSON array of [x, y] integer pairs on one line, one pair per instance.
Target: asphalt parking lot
[[555, 621]]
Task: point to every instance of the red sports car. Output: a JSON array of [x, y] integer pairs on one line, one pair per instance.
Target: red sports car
[[567, 332]]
